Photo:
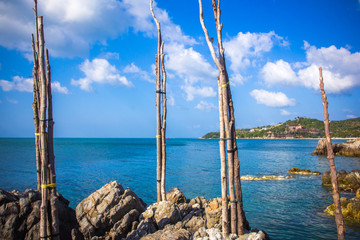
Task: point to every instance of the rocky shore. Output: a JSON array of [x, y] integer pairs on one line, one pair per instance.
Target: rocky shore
[[113, 213], [350, 148], [350, 208], [347, 181], [302, 171], [350, 182]]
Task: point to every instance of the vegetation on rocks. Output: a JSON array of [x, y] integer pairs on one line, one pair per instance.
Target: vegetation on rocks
[[310, 128], [302, 171], [348, 181], [350, 208]]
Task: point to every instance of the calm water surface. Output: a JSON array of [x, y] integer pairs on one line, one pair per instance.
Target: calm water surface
[[289, 209]]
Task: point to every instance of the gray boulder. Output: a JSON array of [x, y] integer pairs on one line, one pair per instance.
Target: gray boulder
[[107, 210], [20, 216], [176, 196]]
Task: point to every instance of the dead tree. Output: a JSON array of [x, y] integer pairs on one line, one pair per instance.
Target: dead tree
[[43, 121], [160, 119], [227, 131], [338, 213]]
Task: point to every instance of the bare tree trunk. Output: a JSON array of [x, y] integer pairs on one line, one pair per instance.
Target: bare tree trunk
[[158, 109], [44, 154], [163, 129], [224, 198], [237, 215], [55, 225], [338, 214], [35, 107]]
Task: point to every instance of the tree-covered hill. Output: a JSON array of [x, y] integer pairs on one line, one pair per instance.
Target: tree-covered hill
[[300, 127]]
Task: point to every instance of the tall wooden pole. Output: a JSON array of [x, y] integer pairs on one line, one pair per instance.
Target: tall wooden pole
[[338, 214], [43, 135], [55, 225], [163, 129], [223, 171], [237, 215], [35, 107], [160, 121]]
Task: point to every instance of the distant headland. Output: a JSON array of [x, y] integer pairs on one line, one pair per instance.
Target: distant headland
[[300, 127]]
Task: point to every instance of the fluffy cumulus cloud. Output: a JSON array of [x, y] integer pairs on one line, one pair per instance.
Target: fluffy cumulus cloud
[[245, 48], [279, 72], [132, 68], [340, 70], [18, 83], [57, 88], [189, 64], [192, 91], [99, 71], [272, 99], [26, 85], [284, 112], [72, 27], [193, 68], [205, 106]]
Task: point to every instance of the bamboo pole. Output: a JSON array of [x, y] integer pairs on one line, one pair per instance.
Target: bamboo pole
[[158, 110], [338, 214], [163, 129], [43, 137], [55, 225], [35, 107]]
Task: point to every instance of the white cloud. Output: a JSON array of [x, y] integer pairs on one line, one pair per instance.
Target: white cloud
[[56, 87], [72, 27], [278, 73], [192, 91], [351, 116], [170, 100], [13, 101], [132, 68], [272, 99], [193, 68], [26, 85], [245, 46], [99, 71], [189, 64], [340, 70], [18, 83], [205, 106], [284, 112]]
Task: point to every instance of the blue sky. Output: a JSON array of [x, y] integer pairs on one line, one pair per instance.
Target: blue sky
[[102, 54]]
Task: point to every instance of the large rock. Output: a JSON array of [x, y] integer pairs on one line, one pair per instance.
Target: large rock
[[347, 181], [350, 208], [109, 209], [304, 171], [351, 148], [20, 216], [170, 232], [213, 213], [176, 196]]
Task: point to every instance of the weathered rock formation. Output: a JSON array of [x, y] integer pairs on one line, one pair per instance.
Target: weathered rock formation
[[265, 178], [111, 211], [350, 208], [302, 171], [20, 216], [347, 181], [351, 148]]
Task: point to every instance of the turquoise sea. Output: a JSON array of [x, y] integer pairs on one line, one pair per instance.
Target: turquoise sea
[[289, 209]]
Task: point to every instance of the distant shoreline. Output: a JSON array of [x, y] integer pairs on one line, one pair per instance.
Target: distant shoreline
[[335, 138]]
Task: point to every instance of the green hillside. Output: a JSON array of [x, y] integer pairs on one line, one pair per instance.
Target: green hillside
[[299, 127]]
